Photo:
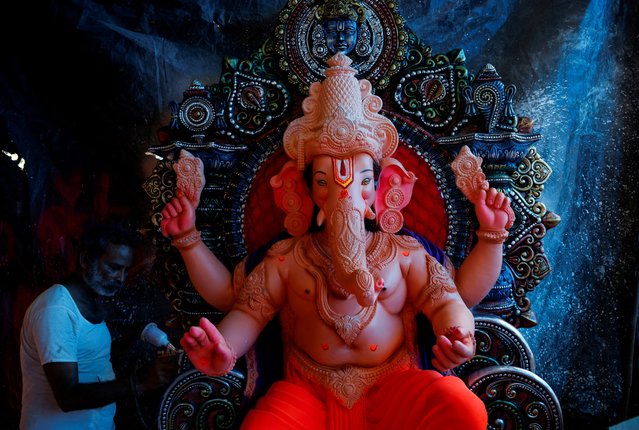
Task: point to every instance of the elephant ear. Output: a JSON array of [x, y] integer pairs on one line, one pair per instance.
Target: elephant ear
[[393, 194], [293, 197]]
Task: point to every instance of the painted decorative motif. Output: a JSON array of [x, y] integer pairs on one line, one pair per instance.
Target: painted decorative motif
[[300, 42], [197, 113], [524, 252], [255, 102], [189, 171], [431, 88], [489, 100], [160, 188], [200, 402], [200, 111], [498, 344], [516, 398], [529, 180], [469, 177]]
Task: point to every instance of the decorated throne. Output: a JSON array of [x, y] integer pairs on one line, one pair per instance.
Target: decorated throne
[[236, 128]]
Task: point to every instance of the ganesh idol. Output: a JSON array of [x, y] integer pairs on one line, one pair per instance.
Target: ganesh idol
[[347, 284]]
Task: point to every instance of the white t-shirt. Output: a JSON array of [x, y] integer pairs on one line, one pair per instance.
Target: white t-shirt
[[54, 330]]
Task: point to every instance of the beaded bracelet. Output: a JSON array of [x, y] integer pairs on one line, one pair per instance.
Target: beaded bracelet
[[492, 236], [472, 337], [188, 240], [231, 365]]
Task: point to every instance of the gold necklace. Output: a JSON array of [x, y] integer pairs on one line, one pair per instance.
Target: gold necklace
[[311, 255]]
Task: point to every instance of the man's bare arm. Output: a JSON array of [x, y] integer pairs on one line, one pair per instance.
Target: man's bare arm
[[71, 395]]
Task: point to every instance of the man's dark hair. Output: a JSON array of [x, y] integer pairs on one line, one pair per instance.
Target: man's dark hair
[[97, 238]]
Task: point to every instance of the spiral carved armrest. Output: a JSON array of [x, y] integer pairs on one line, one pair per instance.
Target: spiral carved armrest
[[516, 398], [197, 401]]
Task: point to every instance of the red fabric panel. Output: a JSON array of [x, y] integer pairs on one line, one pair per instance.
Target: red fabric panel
[[287, 406], [424, 400], [410, 399], [263, 220]]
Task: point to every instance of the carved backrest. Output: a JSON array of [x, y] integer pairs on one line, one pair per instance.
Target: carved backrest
[[236, 126]]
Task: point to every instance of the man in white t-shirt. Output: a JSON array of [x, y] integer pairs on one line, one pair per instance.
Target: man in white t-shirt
[[65, 345]]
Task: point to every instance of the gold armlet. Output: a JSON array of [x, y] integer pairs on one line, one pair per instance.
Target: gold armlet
[[491, 236], [254, 298], [438, 283], [188, 240]]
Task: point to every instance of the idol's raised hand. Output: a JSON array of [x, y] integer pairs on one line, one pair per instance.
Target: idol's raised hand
[[207, 349], [178, 217], [493, 210]]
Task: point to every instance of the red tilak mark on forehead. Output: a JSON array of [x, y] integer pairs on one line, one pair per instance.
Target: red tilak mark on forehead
[[281, 258], [325, 346], [405, 253], [343, 171], [373, 347]]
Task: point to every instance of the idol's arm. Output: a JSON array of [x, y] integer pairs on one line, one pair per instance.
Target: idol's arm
[[213, 350], [207, 273], [432, 291], [479, 271]]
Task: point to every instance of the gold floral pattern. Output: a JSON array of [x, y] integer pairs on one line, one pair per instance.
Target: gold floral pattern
[[347, 383]]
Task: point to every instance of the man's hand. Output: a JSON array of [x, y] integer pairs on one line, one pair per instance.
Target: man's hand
[[208, 350], [493, 210], [178, 217], [453, 348], [160, 372]]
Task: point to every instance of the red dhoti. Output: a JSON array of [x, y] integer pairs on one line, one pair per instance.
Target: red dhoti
[[407, 398]]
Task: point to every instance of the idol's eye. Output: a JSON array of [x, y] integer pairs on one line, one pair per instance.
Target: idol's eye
[[321, 182], [366, 181]]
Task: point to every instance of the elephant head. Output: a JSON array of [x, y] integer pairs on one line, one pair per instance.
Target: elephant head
[[339, 141], [345, 194]]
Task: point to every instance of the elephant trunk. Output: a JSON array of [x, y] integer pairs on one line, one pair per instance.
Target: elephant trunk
[[347, 233]]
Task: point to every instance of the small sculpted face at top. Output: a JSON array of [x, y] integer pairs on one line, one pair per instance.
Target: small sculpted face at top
[[341, 35], [324, 185]]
